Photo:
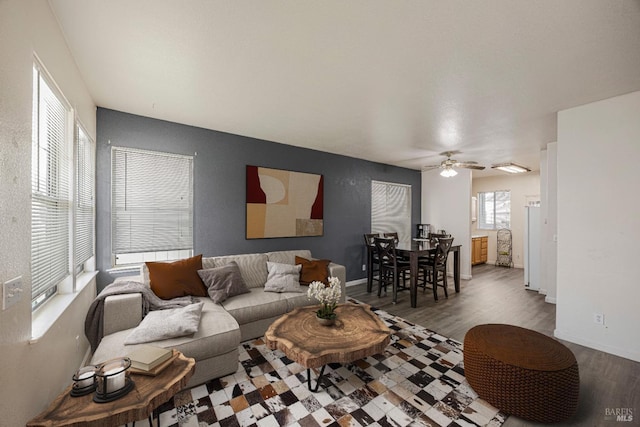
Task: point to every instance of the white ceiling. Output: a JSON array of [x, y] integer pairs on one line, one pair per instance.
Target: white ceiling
[[395, 82]]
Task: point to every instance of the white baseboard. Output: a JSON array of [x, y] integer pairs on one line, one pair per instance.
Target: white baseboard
[[550, 300], [355, 282], [631, 355]]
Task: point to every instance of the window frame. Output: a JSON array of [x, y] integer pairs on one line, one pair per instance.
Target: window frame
[[51, 182], [51, 192]]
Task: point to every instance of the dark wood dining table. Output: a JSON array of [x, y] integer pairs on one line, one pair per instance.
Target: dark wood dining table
[[414, 251]]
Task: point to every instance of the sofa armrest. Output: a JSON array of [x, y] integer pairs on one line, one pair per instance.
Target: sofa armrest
[[122, 312], [339, 271]]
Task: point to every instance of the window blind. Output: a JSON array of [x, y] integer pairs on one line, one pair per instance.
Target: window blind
[[391, 209], [152, 201], [494, 210], [51, 189], [85, 196]]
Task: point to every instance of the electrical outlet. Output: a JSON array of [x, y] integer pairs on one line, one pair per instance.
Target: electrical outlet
[[11, 292], [364, 267], [598, 318]]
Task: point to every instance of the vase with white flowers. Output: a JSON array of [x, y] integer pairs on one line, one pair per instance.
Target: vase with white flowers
[[328, 296]]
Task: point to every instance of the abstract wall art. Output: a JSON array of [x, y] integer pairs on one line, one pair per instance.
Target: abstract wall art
[[283, 203]]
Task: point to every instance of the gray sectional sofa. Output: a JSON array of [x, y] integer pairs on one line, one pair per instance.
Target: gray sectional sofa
[[222, 326]]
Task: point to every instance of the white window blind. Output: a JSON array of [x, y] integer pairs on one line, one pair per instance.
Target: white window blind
[[52, 154], [391, 209], [85, 196], [494, 210], [152, 202]]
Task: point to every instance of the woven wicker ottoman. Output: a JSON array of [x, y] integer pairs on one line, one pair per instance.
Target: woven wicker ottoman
[[522, 372]]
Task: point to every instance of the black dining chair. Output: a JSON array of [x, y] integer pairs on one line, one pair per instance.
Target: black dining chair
[[391, 267], [372, 262], [396, 239], [434, 269]]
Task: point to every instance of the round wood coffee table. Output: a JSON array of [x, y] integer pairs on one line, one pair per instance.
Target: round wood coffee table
[[356, 334]]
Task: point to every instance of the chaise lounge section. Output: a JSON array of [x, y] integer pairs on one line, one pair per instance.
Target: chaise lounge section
[[223, 326]]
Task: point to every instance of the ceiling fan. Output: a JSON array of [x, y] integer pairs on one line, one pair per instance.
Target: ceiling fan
[[448, 166]]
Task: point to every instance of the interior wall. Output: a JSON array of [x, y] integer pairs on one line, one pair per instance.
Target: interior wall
[[549, 242], [31, 374], [220, 189], [523, 188], [598, 225], [446, 204]]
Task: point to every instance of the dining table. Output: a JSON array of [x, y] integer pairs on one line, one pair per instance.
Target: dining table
[[413, 251]]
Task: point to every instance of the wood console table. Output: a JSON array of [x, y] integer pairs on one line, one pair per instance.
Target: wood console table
[[149, 393]]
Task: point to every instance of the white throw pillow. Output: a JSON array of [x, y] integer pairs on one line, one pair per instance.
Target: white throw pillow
[[162, 324], [283, 278]]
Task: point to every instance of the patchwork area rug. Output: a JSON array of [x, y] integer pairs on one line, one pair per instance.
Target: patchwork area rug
[[418, 381]]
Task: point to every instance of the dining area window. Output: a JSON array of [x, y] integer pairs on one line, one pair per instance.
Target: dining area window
[[391, 209]]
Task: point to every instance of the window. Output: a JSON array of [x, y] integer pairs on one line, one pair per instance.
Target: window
[[391, 209], [494, 210], [84, 202], [152, 206], [57, 225]]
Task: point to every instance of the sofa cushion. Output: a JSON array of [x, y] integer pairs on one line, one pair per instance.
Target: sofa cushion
[[313, 270], [283, 277], [176, 279], [223, 282], [162, 324], [256, 305], [288, 257], [253, 267], [298, 299], [217, 334]]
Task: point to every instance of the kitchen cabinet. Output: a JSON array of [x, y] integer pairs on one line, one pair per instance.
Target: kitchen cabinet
[[479, 249]]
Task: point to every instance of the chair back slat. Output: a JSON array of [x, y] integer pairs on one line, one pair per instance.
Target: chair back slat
[[393, 236], [442, 250], [386, 249], [368, 238]]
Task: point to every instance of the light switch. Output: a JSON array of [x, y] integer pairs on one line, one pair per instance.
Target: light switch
[[11, 292]]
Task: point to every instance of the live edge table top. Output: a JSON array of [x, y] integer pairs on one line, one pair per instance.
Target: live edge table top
[[149, 392], [356, 334]]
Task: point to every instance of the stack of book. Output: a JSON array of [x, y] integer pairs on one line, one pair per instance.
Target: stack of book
[[150, 360]]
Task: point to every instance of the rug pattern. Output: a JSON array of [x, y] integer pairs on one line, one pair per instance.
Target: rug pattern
[[418, 381]]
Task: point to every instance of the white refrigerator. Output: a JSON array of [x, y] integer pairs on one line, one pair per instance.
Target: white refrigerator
[[532, 230]]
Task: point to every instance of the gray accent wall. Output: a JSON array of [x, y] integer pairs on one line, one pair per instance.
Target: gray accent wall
[[220, 186]]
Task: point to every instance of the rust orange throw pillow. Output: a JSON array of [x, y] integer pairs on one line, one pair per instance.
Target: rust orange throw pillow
[[312, 270], [177, 279]]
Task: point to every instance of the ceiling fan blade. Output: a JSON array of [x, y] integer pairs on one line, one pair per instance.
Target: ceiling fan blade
[[430, 167], [470, 165]]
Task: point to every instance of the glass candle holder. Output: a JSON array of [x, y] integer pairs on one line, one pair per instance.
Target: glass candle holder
[[84, 381], [113, 380]]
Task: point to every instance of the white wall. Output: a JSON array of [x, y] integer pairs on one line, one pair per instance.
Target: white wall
[[549, 211], [598, 225], [446, 204], [523, 188], [31, 375]]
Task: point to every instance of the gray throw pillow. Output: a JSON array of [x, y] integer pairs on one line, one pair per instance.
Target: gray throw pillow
[[283, 278], [162, 324], [223, 282]]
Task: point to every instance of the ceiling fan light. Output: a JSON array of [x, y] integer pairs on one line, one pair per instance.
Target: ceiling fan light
[[448, 172], [511, 168]]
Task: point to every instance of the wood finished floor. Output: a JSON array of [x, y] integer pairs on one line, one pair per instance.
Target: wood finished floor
[[497, 295]]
